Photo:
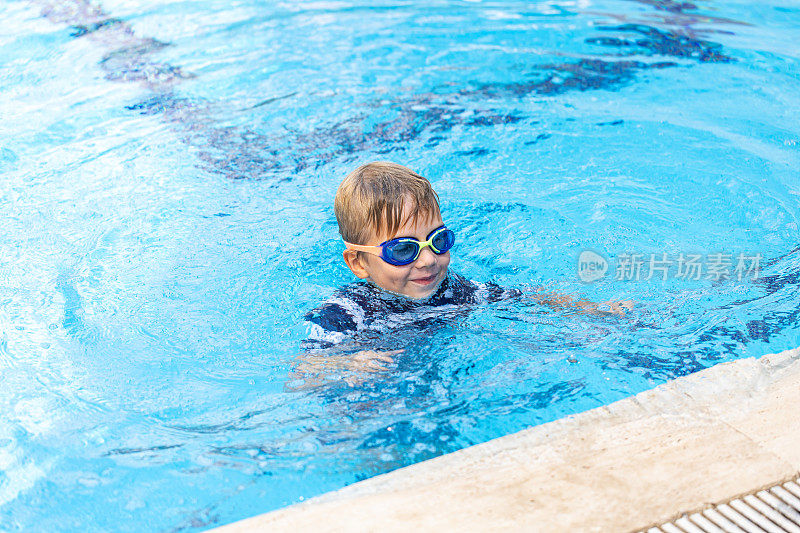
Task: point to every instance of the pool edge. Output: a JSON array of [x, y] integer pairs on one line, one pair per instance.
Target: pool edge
[[680, 447]]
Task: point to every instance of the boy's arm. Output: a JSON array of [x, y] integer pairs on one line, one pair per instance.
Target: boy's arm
[[558, 300], [490, 292]]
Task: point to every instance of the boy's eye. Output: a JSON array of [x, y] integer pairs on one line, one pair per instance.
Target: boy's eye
[[443, 241], [404, 251]]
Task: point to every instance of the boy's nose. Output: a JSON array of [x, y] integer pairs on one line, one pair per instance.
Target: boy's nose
[[426, 258]]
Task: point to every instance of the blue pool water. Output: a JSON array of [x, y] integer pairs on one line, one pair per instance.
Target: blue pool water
[[167, 182]]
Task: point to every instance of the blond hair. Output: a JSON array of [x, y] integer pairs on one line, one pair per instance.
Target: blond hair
[[374, 196]]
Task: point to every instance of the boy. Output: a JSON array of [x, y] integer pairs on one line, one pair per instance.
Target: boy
[[397, 242]]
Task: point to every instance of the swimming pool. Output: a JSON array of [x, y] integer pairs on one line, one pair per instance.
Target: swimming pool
[[168, 176]]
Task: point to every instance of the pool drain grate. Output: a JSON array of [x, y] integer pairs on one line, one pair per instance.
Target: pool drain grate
[[775, 510]]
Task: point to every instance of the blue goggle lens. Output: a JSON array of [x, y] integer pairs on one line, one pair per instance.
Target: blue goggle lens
[[403, 252], [443, 241]]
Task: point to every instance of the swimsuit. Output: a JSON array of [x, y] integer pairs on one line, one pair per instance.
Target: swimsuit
[[363, 308]]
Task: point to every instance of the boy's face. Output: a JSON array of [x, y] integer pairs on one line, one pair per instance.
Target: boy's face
[[416, 280]]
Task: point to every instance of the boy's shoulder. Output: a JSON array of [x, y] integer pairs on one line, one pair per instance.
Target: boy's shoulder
[[346, 308], [341, 315], [458, 290], [351, 307]]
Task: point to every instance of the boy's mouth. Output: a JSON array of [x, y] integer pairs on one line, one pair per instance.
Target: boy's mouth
[[427, 280]]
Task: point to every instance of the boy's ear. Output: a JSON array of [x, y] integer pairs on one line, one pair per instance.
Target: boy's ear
[[355, 264]]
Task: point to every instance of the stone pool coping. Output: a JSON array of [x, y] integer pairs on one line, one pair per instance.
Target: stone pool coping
[[694, 441]]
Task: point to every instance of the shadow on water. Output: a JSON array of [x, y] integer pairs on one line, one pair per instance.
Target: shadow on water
[[242, 153]]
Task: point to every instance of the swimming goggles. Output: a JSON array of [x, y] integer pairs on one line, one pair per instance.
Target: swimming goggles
[[405, 250]]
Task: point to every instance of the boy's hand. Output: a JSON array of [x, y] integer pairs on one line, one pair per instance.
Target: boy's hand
[[314, 368], [368, 360]]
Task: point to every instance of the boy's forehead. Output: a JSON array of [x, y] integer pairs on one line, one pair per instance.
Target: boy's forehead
[[410, 224]]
